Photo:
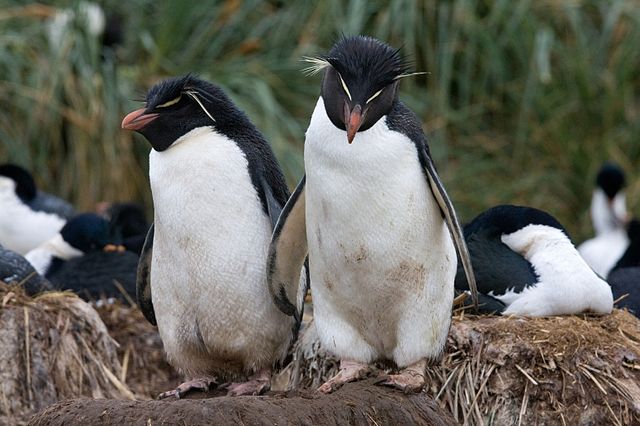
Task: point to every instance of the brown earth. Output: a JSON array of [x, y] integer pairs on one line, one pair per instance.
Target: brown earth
[[361, 403], [571, 370], [144, 367]]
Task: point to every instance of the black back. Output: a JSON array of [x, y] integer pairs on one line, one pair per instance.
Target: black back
[[496, 266], [626, 281], [15, 269], [631, 256], [92, 275]]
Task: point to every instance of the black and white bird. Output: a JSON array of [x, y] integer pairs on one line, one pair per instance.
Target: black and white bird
[[217, 192], [22, 228], [38, 200], [87, 258], [609, 218], [525, 264], [624, 278], [84, 233], [376, 221], [129, 220], [16, 270]]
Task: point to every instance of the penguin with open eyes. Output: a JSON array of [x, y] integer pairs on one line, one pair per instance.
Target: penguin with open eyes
[[217, 192], [380, 230], [609, 216]]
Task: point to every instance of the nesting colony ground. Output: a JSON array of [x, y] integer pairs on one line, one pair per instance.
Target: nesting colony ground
[[53, 347], [573, 370], [503, 371]]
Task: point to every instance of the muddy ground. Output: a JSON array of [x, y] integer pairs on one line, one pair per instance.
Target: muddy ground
[[356, 403]]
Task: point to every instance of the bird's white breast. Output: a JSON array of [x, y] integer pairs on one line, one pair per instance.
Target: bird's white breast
[[208, 264], [22, 229], [42, 256], [567, 285], [381, 256]]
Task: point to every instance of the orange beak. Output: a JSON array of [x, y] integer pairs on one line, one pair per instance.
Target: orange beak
[[352, 120], [137, 120]]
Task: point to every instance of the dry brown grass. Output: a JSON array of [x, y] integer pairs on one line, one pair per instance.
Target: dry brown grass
[[144, 367], [518, 371], [54, 346]]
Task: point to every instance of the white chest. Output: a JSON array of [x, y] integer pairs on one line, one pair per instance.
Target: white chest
[[208, 275], [379, 250]]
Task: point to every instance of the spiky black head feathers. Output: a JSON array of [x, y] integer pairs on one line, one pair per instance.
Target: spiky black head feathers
[[360, 83], [366, 59]]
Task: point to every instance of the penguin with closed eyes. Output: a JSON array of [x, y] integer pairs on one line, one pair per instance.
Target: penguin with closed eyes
[[373, 215], [217, 191]]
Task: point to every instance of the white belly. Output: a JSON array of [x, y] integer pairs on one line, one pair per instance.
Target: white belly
[[22, 229], [382, 262], [604, 250], [208, 279]]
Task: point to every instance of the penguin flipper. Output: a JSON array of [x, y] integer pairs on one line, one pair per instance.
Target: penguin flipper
[[449, 213], [274, 208], [287, 256], [143, 279]]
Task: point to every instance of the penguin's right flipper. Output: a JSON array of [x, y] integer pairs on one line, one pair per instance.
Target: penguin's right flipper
[[143, 279], [287, 256]]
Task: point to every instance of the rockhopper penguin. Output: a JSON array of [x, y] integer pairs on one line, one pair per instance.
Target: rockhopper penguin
[[380, 230], [217, 192]]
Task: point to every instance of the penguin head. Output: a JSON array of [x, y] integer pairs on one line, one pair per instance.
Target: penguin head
[[360, 83], [87, 232], [610, 179], [25, 186], [176, 106]]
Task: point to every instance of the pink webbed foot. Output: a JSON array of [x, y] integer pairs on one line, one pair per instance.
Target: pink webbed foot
[[256, 384], [202, 384], [410, 379], [350, 371]]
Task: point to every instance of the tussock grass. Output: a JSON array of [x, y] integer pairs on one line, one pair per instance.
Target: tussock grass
[[523, 100]]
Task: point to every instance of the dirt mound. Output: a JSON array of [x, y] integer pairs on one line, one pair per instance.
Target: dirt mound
[[54, 346], [573, 370], [360, 403], [144, 367]]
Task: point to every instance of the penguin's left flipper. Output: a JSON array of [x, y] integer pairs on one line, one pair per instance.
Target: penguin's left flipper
[[143, 279], [287, 256], [452, 220]]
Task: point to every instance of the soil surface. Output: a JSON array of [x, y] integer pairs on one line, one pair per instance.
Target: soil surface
[[360, 403]]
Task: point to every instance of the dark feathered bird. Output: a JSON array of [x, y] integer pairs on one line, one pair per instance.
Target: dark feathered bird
[[526, 264], [99, 274], [129, 222], [624, 278], [15, 269], [76, 260]]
